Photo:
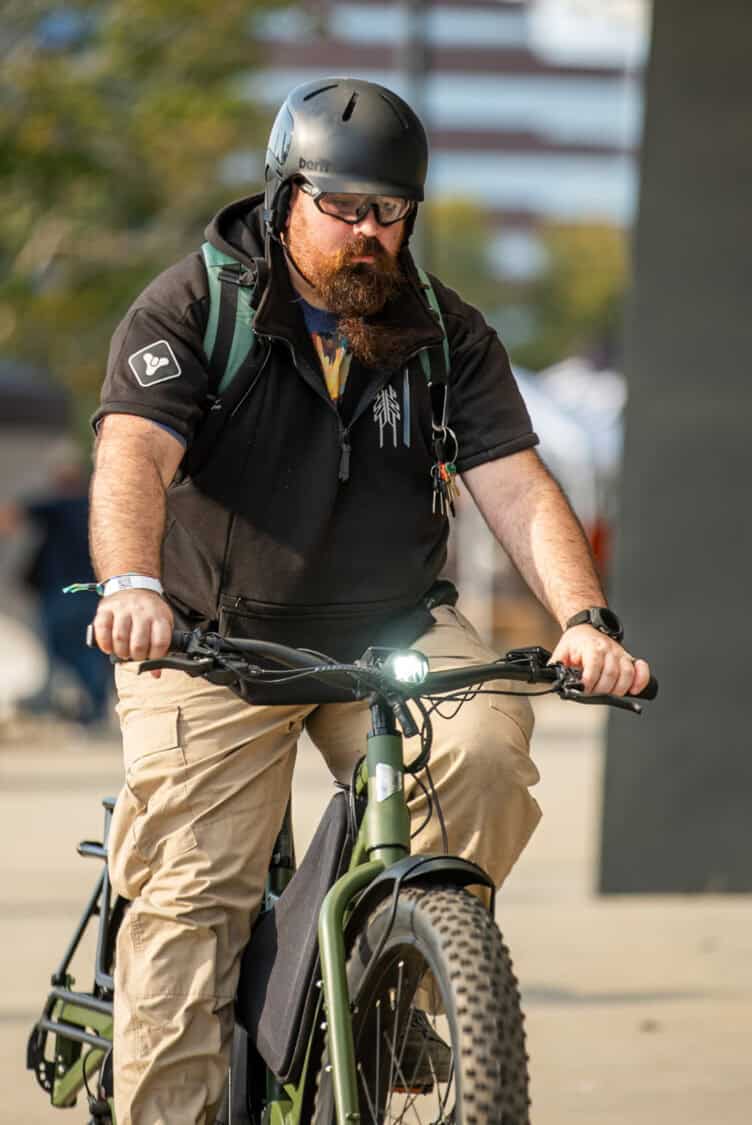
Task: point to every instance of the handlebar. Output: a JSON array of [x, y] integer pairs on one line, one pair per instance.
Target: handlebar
[[279, 674]]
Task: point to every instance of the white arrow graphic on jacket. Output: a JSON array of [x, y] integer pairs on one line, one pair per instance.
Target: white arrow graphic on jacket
[[386, 412]]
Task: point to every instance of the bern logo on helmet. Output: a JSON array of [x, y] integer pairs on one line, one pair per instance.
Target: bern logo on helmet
[[314, 165]]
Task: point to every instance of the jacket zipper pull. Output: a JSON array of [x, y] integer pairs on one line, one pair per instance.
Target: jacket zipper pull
[[344, 459]]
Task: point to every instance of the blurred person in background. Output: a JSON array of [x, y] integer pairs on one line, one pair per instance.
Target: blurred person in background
[[58, 521], [309, 518]]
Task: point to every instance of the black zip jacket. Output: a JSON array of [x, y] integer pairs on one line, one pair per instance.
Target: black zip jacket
[[265, 538]]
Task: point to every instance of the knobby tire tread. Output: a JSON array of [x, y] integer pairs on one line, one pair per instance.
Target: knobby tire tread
[[473, 970]]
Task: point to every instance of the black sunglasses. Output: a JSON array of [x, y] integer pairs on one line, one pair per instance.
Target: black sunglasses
[[353, 207]]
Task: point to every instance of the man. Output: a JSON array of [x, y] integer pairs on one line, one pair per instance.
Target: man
[[311, 520], [59, 517]]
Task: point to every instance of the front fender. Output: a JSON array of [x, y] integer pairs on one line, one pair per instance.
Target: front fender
[[428, 870]]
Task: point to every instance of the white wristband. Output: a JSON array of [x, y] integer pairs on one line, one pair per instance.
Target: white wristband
[[131, 582]]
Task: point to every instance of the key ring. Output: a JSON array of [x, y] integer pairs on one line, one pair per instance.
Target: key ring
[[440, 434]]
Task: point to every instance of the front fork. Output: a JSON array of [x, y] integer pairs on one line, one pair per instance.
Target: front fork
[[384, 838]]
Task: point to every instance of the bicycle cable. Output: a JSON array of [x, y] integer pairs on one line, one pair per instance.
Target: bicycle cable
[[99, 1107], [439, 813], [429, 812]]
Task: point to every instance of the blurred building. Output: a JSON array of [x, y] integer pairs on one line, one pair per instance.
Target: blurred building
[[533, 107]]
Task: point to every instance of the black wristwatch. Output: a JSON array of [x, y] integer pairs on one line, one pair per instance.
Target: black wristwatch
[[600, 618]]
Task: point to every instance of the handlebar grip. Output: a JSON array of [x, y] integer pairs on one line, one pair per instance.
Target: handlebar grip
[[180, 640], [648, 692]]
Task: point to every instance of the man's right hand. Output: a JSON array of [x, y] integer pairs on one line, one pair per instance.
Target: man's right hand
[[134, 625]]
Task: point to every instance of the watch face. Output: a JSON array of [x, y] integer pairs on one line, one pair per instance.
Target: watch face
[[611, 623]]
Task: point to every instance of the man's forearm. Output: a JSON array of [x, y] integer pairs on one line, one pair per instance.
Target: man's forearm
[[127, 507], [548, 546], [531, 518]]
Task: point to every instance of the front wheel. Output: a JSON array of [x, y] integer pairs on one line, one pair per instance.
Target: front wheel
[[442, 943]]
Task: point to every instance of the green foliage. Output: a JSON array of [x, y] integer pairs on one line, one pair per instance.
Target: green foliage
[[111, 155], [455, 236], [574, 306], [578, 301]]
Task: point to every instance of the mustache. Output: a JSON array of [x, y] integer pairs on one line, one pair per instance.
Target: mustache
[[352, 288], [360, 246]]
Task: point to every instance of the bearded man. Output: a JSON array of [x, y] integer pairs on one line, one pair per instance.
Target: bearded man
[[311, 520]]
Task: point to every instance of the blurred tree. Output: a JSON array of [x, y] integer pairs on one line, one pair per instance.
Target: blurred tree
[[575, 305], [116, 117], [456, 236]]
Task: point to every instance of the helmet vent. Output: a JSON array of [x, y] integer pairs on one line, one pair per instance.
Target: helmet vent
[[397, 111], [321, 90], [350, 107]]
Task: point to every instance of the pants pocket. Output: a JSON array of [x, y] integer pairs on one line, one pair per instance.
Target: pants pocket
[[155, 769]]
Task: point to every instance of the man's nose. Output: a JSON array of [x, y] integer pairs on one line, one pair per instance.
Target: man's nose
[[368, 225]]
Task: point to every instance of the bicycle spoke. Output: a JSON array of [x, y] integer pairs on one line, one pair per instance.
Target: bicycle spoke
[[445, 1099], [406, 1035], [413, 1102], [395, 1009], [411, 1096], [373, 1112], [378, 1054]]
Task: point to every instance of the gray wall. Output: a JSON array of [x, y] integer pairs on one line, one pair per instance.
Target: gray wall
[[678, 784]]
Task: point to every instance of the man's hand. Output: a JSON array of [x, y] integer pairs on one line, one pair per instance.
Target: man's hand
[[606, 668], [134, 625]]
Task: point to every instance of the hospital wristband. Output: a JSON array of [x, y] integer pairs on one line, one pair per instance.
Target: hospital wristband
[[130, 582]]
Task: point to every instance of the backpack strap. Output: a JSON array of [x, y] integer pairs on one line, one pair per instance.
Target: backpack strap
[[229, 343], [436, 364], [229, 337], [436, 368], [433, 302]]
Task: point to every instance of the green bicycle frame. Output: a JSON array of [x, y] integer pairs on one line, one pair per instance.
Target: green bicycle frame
[[386, 828], [384, 838]]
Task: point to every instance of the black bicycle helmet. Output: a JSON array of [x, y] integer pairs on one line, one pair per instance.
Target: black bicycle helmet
[[344, 134]]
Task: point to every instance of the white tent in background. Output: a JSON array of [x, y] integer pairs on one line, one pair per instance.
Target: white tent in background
[[596, 399]]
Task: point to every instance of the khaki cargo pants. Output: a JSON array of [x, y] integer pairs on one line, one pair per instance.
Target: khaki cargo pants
[[207, 780]]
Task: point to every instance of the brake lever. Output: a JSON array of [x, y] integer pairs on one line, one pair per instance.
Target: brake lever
[[618, 701], [178, 664]]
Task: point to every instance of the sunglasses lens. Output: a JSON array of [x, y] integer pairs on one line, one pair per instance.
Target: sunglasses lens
[[354, 208], [391, 208], [347, 207]]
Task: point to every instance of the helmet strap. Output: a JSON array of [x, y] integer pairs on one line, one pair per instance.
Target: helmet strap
[[289, 257], [276, 213]]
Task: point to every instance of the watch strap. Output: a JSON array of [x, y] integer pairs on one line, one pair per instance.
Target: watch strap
[[581, 618], [594, 616]]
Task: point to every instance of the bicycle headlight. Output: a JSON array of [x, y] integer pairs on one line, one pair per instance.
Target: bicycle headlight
[[409, 666]]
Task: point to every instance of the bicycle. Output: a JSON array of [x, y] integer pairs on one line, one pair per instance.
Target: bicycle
[[345, 943]]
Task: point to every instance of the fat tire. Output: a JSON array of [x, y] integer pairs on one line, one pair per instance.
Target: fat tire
[[450, 931]]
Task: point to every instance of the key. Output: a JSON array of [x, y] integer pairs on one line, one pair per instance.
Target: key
[[438, 505]]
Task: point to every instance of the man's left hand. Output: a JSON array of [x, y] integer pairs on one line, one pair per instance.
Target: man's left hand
[[607, 669]]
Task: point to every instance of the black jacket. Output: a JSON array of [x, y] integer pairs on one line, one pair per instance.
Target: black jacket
[[265, 539]]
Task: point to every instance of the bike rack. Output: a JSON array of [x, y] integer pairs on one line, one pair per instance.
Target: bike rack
[[99, 1000]]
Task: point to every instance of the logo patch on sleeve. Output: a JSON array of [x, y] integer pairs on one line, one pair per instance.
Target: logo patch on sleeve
[[156, 363]]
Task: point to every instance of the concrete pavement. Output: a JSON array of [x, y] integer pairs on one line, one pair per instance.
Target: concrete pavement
[[638, 1009]]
